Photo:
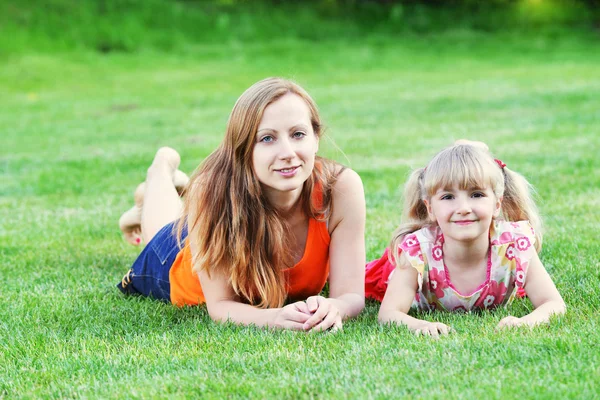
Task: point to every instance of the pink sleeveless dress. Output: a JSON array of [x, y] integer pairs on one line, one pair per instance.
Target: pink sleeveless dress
[[511, 249]]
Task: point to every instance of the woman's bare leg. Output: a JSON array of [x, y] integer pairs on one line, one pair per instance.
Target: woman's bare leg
[[162, 204], [131, 220]]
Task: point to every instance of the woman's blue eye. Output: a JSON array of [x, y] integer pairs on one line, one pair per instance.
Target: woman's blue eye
[[267, 139], [298, 134]]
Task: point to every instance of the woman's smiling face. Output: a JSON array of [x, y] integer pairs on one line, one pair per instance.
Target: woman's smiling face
[[285, 148]]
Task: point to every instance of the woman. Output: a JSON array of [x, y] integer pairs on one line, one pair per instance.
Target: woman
[[269, 222]]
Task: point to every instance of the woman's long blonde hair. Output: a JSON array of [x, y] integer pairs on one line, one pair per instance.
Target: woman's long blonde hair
[[466, 166], [237, 231]]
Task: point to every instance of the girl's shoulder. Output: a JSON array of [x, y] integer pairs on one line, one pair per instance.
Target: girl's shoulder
[[429, 234], [424, 240], [508, 232]]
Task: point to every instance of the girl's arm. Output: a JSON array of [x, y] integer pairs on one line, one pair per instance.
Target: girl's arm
[[543, 295], [398, 298], [346, 257]]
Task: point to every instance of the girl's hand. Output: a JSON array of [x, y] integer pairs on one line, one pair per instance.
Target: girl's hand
[[433, 329], [293, 316], [510, 322], [325, 315]]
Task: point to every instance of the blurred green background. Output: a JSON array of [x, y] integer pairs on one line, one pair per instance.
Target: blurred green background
[[176, 25]]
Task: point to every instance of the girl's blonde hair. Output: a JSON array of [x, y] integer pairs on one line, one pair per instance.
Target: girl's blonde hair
[[466, 166], [238, 232]]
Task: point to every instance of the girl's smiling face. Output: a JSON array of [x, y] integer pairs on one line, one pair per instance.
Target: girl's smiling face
[[464, 214], [286, 145]]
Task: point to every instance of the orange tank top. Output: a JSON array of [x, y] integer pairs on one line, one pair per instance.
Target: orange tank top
[[306, 278]]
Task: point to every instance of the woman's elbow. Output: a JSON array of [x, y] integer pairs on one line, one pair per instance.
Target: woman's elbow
[[216, 312], [358, 305], [383, 317]]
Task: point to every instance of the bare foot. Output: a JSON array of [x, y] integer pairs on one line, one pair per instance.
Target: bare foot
[[130, 224], [166, 158], [131, 220], [180, 180]]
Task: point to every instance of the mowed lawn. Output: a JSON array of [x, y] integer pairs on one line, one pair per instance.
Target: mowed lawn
[[79, 129]]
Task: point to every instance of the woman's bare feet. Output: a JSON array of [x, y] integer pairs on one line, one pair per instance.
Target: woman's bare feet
[[130, 221], [166, 160], [180, 180]]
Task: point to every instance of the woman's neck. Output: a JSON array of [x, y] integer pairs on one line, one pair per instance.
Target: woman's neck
[[285, 202], [466, 255]]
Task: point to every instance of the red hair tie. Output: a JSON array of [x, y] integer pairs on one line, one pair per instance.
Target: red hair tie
[[500, 163]]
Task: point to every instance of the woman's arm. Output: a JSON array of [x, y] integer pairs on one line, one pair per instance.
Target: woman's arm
[[398, 299], [543, 295], [223, 305], [346, 256]]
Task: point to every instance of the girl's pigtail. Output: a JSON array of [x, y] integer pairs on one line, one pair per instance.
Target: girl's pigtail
[[518, 204], [414, 215]]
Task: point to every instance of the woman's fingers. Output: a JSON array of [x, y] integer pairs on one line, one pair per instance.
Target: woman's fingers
[[292, 317], [338, 324], [318, 316], [302, 307], [312, 303], [296, 316], [329, 321]]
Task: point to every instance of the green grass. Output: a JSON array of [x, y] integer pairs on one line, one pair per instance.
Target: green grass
[[79, 128]]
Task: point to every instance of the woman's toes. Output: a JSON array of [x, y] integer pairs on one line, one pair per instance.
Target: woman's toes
[[180, 180], [130, 225], [168, 156], [134, 236]]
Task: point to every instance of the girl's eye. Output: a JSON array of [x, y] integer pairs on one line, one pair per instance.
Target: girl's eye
[[478, 194], [267, 139], [447, 197], [298, 134]]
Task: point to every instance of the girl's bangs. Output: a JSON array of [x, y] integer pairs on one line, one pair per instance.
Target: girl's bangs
[[454, 170]]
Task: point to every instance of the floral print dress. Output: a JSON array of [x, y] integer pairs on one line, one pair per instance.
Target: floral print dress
[[511, 249]]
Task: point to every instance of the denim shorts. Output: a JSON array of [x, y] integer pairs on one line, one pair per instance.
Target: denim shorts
[[149, 274]]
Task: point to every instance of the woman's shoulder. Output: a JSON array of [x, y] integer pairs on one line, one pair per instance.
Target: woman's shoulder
[[348, 198], [347, 180]]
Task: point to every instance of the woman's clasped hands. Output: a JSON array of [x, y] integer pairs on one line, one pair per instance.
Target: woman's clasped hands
[[316, 314]]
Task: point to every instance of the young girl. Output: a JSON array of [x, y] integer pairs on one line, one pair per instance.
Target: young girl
[[265, 222], [468, 240]]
